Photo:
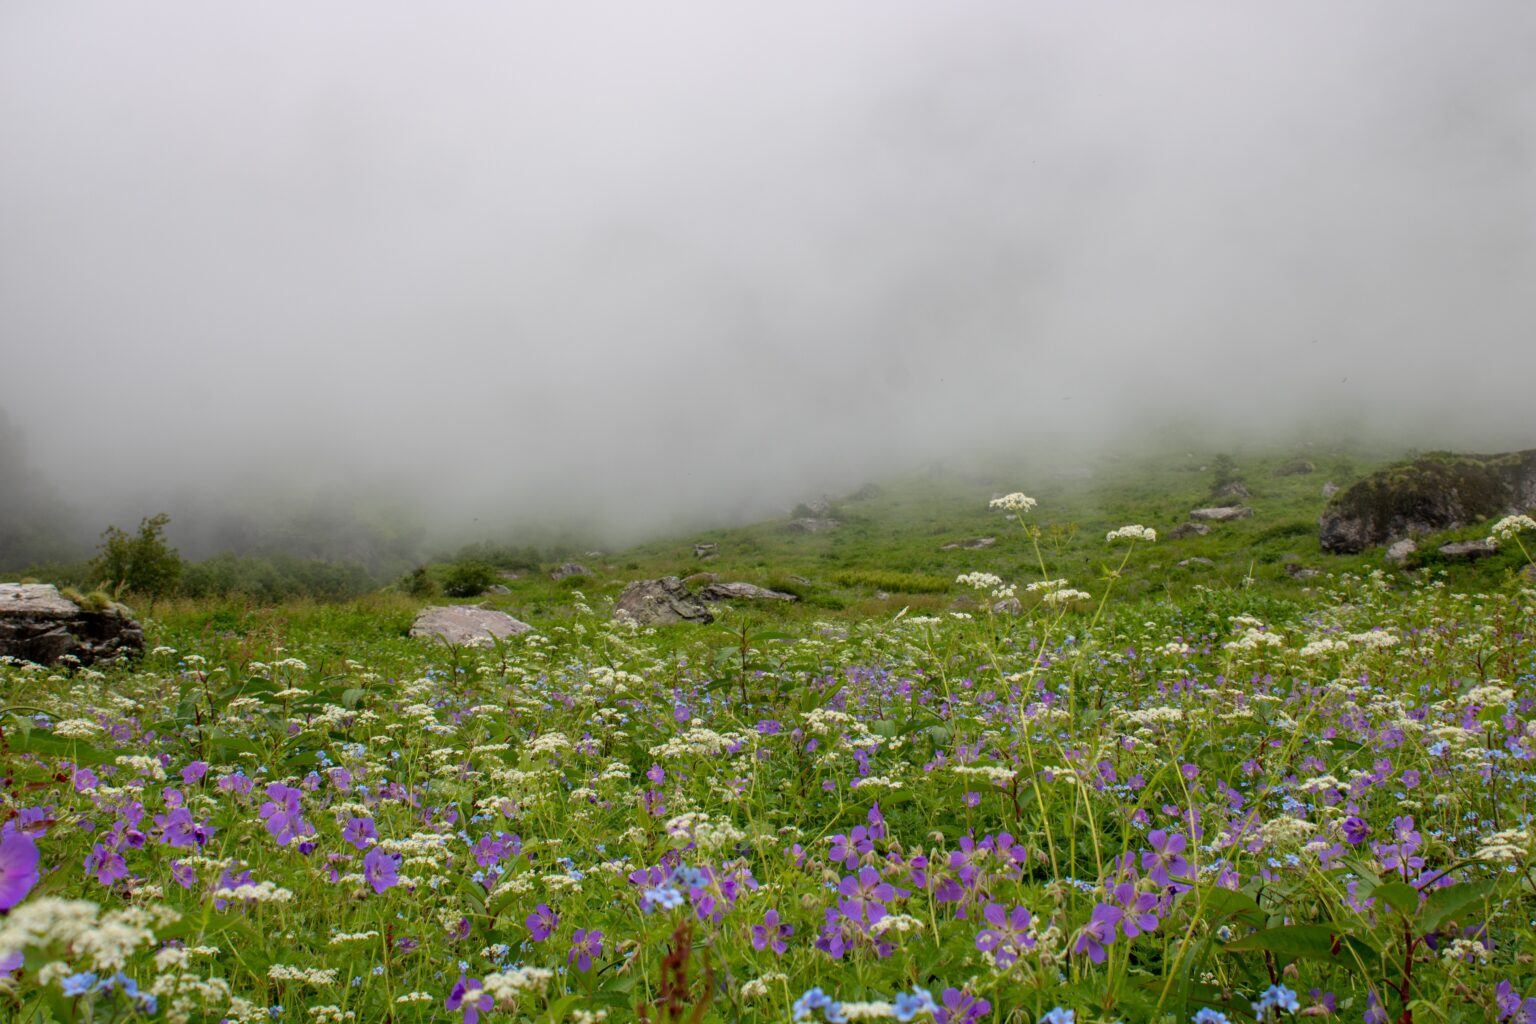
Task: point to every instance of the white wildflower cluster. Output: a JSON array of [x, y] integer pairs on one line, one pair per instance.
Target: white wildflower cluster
[[77, 729], [330, 1015], [1508, 847], [143, 765], [313, 976], [1506, 528], [1037, 587], [415, 997], [1175, 649], [1286, 830], [757, 988], [992, 773], [259, 892], [506, 986], [901, 924], [1252, 639], [980, 580], [709, 834], [696, 742], [189, 995], [1015, 502], [1329, 645], [1066, 595], [104, 941], [342, 938], [1131, 533], [1463, 950], [1376, 638], [877, 1009], [1491, 694]]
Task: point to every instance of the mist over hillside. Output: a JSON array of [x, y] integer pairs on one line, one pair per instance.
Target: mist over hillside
[[301, 277]]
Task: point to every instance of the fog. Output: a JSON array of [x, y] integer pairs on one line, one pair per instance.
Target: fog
[[638, 267]]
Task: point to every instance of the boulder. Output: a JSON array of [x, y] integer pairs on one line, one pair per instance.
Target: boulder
[[706, 550], [698, 579], [39, 624], [1222, 513], [1188, 530], [569, 569], [1008, 606], [1300, 572], [1296, 467], [463, 623], [1467, 550], [660, 603], [1330, 489], [813, 524], [1399, 553], [498, 588], [1427, 495], [1231, 492], [742, 592]]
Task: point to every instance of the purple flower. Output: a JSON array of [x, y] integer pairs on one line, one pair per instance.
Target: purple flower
[[771, 933], [1009, 935], [18, 867], [542, 922], [1166, 857], [1355, 830], [584, 946], [360, 832], [961, 1008], [381, 870], [283, 814], [1098, 933], [1140, 916], [866, 890], [1513, 1008], [193, 772], [106, 864], [484, 1003]]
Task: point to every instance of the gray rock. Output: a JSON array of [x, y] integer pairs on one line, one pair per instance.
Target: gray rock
[[800, 580], [1188, 530], [1296, 467], [498, 588], [866, 493], [813, 524], [463, 623], [700, 578], [1427, 495], [40, 625], [742, 592], [1190, 563], [974, 544], [1008, 606], [1222, 514], [568, 570], [1467, 550], [1399, 553], [1231, 492], [511, 574], [660, 603], [705, 550], [1330, 489], [1301, 572]]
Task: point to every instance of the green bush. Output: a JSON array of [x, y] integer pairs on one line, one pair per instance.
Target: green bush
[[141, 563], [468, 578], [900, 582]]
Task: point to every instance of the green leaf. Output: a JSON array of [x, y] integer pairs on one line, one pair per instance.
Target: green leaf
[[1400, 896], [1308, 942], [1217, 904], [1449, 903]]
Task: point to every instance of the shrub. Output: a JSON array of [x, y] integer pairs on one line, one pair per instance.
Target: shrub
[[141, 563], [468, 578], [902, 582]]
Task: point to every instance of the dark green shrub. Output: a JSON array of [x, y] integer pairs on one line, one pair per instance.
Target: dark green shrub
[[141, 563], [468, 578]]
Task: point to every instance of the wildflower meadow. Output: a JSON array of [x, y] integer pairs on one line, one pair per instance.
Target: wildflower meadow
[[1056, 806]]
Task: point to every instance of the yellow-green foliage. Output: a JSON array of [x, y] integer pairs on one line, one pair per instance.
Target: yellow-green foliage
[[901, 582]]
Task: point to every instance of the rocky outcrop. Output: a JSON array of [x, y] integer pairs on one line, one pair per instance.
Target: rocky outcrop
[[1231, 492], [1222, 514], [1441, 492], [39, 624], [462, 624], [742, 592], [660, 603], [706, 550], [813, 524], [569, 569], [1296, 467], [1188, 530], [1399, 553]]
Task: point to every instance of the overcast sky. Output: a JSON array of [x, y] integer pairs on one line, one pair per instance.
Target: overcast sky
[[676, 258]]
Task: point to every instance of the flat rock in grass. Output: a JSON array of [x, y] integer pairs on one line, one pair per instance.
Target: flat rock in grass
[[974, 544], [1188, 530], [569, 569], [660, 603], [1190, 563], [1467, 550], [1008, 606], [1330, 489], [706, 550], [1300, 572], [1296, 467], [742, 592], [1222, 514], [462, 623], [1231, 492], [39, 624], [698, 579]]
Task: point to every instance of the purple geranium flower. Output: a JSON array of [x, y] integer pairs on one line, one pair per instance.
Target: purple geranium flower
[[381, 870], [106, 864], [18, 867], [961, 1008], [771, 933], [584, 946], [360, 832], [1166, 858], [542, 922], [1098, 933], [1009, 935], [484, 1003]]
